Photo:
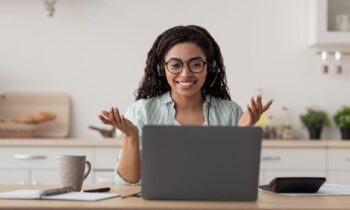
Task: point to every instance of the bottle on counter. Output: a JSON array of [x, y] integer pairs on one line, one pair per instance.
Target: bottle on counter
[[286, 125], [266, 122]]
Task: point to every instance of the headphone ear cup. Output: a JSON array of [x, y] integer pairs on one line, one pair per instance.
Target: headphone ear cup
[[212, 67], [213, 71], [160, 70]]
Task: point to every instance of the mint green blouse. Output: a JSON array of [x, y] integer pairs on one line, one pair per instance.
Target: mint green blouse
[[160, 111]]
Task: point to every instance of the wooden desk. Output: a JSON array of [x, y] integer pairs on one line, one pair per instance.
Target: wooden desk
[[266, 201]]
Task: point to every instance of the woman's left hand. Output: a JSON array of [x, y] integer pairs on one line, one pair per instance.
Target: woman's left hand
[[254, 111]]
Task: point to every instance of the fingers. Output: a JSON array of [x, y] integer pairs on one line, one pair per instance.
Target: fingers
[[259, 103], [123, 120], [111, 117], [253, 114], [253, 105], [256, 108], [105, 113], [105, 120], [115, 116], [267, 106]]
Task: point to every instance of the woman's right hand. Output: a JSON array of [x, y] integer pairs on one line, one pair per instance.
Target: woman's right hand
[[114, 118]]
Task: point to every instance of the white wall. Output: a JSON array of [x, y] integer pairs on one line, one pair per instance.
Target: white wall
[[95, 51]]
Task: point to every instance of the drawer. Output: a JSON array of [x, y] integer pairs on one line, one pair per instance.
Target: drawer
[[106, 158], [300, 159], [339, 177], [104, 177], [338, 159], [38, 157], [39, 176], [14, 176]]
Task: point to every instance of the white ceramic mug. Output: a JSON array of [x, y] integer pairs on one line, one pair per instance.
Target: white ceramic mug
[[71, 170]]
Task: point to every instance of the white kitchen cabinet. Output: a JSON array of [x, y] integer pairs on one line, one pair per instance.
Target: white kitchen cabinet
[[339, 159], [292, 162], [104, 177], [34, 161], [36, 165], [50, 176], [105, 162], [106, 158], [16, 176], [38, 157], [323, 31], [44, 176], [339, 165], [339, 177]]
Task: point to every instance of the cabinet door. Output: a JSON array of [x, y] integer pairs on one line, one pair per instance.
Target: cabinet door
[[104, 177], [339, 177], [324, 32], [50, 176], [43, 176], [339, 159], [339, 166], [293, 159], [38, 157], [106, 158], [14, 176]]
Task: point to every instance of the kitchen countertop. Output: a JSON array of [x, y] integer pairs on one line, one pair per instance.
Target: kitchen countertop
[[66, 142], [61, 142]]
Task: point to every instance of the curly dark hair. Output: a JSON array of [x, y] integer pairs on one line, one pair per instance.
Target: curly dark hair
[[153, 84]]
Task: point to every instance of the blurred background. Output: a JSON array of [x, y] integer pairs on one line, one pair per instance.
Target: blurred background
[[95, 52]]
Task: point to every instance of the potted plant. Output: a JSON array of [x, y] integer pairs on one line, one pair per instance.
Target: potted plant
[[314, 121], [342, 120]]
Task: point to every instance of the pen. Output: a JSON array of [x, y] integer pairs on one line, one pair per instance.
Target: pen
[[104, 189], [56, 191]]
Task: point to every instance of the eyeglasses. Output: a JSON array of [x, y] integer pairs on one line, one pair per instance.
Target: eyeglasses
[[195, 65]]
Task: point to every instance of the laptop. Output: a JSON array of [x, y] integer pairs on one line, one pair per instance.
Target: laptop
[[200, 163]]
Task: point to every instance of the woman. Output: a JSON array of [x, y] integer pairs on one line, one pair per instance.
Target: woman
[[184, 84]]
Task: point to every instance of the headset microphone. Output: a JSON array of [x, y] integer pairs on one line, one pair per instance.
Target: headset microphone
[[213, 82]]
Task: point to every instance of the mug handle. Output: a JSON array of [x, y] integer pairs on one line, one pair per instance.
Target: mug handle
[[89, 169]]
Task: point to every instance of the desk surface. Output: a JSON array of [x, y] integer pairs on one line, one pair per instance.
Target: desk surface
[[266, 201]]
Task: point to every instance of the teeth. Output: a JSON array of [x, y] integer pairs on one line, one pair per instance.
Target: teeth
[[186, 83]]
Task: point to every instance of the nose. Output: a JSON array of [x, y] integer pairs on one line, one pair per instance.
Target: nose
[[185, 72]]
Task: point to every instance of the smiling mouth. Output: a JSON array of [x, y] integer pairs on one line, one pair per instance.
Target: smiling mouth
[[185, 84]]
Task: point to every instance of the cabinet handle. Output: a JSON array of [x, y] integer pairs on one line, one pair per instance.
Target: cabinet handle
[[29, 157], [271, 158]]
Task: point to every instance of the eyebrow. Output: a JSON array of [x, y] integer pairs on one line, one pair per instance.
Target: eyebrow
[[194, 58]]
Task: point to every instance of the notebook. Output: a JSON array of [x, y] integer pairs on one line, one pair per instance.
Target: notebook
[[200, 163], [74, 196]]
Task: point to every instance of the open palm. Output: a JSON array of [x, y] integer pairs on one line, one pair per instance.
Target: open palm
[[254, 111], [114, 118]]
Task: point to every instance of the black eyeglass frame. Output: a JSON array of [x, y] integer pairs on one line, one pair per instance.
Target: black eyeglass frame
[[188, 65]]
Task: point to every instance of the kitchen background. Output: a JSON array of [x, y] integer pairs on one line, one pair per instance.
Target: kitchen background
[[95, 51]]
